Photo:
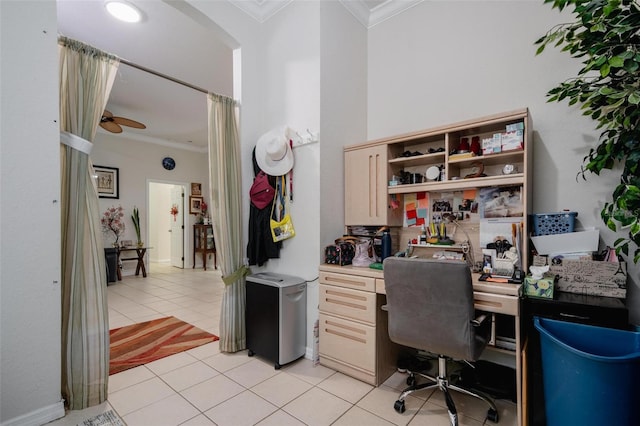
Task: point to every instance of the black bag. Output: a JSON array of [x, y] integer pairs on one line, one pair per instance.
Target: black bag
[[341, 253]]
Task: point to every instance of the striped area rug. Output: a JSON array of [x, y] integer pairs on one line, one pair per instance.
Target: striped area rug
[[138, 344]]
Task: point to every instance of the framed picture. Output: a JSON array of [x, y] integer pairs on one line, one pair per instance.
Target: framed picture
[[196, 189], [195, 205], [107, 181]]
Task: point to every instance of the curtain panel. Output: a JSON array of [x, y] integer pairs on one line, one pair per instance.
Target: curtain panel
[[86, 77], [225, 183]]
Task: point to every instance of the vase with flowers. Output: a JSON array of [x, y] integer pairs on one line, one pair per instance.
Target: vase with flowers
[[112, 222], [203, 213]]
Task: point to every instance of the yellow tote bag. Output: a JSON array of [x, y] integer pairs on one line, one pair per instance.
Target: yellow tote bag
[[281, 229]]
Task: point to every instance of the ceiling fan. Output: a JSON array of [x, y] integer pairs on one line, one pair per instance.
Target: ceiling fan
[[113, 124]]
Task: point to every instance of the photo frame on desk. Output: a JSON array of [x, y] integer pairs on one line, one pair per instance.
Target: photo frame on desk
[[195, 205], [107, 181]]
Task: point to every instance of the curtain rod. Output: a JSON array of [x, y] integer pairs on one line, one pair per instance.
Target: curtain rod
[[61, 40], [161, 75]]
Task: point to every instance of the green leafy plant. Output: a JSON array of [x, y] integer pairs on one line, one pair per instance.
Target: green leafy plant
[[606, 37], [135, 218]]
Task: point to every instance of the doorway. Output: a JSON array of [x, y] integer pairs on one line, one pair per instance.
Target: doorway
[[166, 207]]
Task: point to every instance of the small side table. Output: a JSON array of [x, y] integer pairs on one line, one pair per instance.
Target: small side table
[[140, 252]]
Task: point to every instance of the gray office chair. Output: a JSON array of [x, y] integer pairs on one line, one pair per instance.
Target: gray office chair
[[430, 305]]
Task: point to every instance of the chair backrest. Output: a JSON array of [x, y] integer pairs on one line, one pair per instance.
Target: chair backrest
[[430, 305]]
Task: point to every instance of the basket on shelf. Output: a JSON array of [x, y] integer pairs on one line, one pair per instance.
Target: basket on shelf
[[553, 223]]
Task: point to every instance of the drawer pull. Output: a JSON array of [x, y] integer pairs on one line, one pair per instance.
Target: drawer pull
[[347, 304], [562, 314], [346, 327], [346, 281], [345, 335], [343, 294], [487, 303]]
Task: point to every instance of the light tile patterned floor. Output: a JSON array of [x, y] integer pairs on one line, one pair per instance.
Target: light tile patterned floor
[[204, 387]]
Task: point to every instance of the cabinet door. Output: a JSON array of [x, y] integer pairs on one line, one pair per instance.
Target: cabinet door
[[210, 241], [366, 200]]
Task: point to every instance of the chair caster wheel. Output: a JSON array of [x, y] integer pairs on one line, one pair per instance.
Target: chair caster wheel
[[399, 406], [251, 353], [411, 380], [492, 415]]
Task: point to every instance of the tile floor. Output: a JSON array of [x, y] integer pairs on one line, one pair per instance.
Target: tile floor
[[203, 386]]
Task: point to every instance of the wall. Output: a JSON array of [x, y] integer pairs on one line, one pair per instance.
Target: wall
[[281, 86], [139, 162], [29, 215], [451, 61], [343, 109]]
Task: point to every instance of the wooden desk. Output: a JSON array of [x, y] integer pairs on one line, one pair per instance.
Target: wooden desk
[[140, 252], [353, 329]]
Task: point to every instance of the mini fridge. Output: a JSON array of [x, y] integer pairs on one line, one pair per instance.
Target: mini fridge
[[276, 317]]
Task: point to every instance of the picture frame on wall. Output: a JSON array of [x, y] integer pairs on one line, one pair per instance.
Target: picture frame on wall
[[196, 189], [107, 181], [195, 205]]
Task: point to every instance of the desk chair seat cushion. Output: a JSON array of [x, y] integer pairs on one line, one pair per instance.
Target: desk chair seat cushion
[[430, 305]]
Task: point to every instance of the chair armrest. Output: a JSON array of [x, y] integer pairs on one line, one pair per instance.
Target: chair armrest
[[479, 320]]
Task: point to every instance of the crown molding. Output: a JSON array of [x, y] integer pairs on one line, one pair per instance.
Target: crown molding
[[260, 10], [389, 9], [158, 141]]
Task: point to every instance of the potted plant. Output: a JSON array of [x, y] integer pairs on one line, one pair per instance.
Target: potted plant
[[606, 37], [135, 218]]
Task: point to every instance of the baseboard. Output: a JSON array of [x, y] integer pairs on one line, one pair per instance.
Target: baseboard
[[39, 417]]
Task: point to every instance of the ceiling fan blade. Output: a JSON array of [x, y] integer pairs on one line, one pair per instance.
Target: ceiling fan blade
[[110, 126], [129, 123], [107, 114]]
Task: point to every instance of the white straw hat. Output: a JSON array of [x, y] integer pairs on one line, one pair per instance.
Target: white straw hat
[[273, 152]]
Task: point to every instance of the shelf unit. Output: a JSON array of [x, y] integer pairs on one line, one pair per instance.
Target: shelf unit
[[204, 243], [436, 147]]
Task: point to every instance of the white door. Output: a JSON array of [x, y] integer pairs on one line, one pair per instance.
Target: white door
[[177, 227]]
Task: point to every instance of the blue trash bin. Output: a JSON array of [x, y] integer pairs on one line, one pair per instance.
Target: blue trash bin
[[591, 375]]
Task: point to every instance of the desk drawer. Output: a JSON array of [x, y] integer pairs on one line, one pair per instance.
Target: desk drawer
[[349, 281], [349, 342], [359, 305], [497, 303]]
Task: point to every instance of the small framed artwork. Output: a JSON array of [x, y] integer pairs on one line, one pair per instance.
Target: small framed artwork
[[195, 205], [196, 189], [107, 181]]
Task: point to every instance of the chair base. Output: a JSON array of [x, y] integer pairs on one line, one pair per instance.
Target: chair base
[[442, 383]]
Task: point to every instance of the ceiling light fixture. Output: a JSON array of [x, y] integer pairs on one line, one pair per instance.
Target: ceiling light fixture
[[123, 11]]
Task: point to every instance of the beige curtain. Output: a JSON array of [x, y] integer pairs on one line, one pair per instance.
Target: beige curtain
[[86, 78], [225, 183]]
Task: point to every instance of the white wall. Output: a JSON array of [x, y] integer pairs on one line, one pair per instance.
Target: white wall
[[343, 109], [441, 62], [138, 162], [29, 215], [281, 86]]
